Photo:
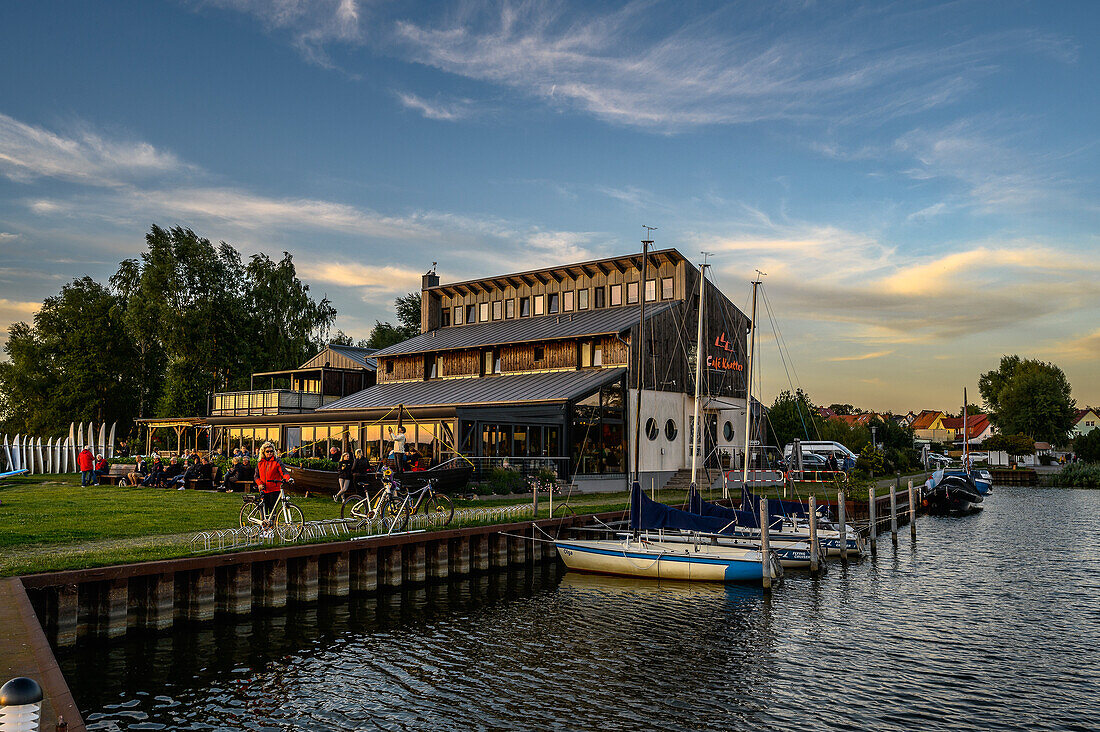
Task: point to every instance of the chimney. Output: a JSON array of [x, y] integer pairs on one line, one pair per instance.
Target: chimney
[[431, 304]]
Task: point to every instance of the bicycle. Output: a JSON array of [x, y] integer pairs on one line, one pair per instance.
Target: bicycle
[[363, 508], [435, 504], [285, 518]]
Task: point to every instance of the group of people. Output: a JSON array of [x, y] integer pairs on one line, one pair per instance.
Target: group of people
[[92, 467]]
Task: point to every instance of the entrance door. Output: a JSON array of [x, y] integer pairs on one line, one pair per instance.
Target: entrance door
[[710, 442]]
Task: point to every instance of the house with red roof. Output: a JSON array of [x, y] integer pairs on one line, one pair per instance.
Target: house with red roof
[[977, 430], [928, 427], [1085, 421]]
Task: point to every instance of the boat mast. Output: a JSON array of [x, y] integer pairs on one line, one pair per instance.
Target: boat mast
[[748, 386], [641, 353], [698, 367], [966, 442]]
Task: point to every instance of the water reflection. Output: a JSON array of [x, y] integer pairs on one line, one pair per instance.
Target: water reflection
[[988, 622]]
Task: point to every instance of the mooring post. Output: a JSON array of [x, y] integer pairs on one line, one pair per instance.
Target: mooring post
[[894, 514], [815, 549], [363, 572], [874, 523], [117, 606], [765, 553], [912, 512], [841, 510]]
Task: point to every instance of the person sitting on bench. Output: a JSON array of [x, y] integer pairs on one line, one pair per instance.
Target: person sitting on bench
[[192, 473], [172, 472], [102, 470], [141, 472], [156, 474]]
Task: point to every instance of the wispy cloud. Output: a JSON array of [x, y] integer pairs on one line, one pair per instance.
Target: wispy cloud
[[313, 25], [385, 278], [28, 152], [713, 68], [862, 356], [443, 110]]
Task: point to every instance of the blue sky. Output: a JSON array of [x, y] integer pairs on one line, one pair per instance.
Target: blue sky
[[918, 180]]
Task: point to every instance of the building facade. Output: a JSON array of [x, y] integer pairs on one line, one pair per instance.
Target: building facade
[[531, 370]]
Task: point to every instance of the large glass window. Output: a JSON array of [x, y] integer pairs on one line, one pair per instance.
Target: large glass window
[[597, 432]]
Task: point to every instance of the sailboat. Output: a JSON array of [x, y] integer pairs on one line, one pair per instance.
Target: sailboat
[[955, 491], [645, 551]]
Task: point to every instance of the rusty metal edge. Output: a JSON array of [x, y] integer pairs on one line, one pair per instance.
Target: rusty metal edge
[[53, 683]]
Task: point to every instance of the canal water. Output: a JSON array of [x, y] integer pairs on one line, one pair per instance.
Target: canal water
[[991, 621]]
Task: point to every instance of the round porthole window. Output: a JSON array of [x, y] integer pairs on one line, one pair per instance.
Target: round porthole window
[[651, 428], [727, 431], [670, 430]]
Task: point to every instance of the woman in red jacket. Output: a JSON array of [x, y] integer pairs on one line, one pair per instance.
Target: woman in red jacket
[[270, 476]]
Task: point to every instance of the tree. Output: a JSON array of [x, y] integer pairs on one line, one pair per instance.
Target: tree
[[1029, 397], [73, 365], [386, 334], [1015, 445], [842, 409], [343, 339], [970, 410], [1087, 446], [853, 436], [790, 416]]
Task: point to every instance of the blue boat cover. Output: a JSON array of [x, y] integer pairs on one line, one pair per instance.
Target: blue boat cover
[[776, 507], [743, 518], [647, 514]]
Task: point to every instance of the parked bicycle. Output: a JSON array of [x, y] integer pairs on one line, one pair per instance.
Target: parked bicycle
[[364, 507], [438, 506], [285, 520]]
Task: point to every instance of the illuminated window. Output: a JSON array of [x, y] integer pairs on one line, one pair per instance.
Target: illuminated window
[[483, 312], [540, 302], [582, 299], [458, 316], [666, 288], [631, 293], [567, 301], [510, 308], [650, 290], [616, 295], [498, 310]]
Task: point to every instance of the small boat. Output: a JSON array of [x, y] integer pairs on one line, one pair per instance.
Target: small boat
[[950, 494], [795, 526], [646, 551], [448, 479]]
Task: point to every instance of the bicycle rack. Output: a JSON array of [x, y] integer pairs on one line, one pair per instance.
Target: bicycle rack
[[246, 536]]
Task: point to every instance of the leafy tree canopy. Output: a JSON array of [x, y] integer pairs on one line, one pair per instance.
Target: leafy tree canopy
[[843, 409], [1029, 397], [1012, 444], [791, 416], [408, 323], [1087, 446]]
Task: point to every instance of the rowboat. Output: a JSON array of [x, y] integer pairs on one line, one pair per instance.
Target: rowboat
[[447, 479]]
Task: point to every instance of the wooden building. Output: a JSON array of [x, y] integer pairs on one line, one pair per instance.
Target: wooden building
[[532, 370]]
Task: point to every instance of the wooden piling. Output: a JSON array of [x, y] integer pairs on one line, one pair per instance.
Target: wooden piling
[[334, 574], [269, 583], [117, 607], [363, 570], [233, 589], [894, 515], [765, 549], [415, 566], [438, 562], [841, 510], [874, 521], [68, 613], [459, 551], [815, 547], [390, 562], [161, 610], [479, 552], [912, 512], [302, 579]]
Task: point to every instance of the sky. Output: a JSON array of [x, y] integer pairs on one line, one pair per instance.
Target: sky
[[916, 179]]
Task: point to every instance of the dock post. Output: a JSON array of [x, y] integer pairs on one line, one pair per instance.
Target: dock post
[[334, 574], [912, 512], [874, 522], [459, 555], [765, 550], [414, 562], [841, 509], [233, 589], [161, 612], [117, 606], [389, 566], [363, 572], [894, 514], [815, 548], [479, 551], [303, 579]]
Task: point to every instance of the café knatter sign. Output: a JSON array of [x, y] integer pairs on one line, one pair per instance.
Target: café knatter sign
[[721, 362]]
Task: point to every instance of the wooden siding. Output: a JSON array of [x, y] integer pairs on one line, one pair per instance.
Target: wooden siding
[[615, 352], [404, 368], [460, 363], [556, 355], [329, 358]]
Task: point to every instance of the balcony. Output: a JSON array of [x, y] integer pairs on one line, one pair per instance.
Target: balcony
[[265, 402]]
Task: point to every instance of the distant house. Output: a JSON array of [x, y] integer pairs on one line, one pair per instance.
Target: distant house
[[825, 413], [857, 419], [977, 430], [1085, 421], [928, 427]]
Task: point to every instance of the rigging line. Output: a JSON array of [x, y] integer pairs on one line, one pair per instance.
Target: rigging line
[[813, 419], [780, 347]]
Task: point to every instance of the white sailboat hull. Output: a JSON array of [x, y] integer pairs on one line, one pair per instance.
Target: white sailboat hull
[[664, 560]]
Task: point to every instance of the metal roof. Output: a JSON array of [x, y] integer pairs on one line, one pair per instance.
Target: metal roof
[[557, 386], [359, 355], [605, 321]]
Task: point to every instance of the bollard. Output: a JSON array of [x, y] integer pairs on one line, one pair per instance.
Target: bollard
[[874, 523], [894, 514], [765, 554], [841, 510], [20, 705], [815, 550], [912, 512]]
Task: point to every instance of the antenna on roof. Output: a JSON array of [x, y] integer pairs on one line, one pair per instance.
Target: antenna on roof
[[433, 267]]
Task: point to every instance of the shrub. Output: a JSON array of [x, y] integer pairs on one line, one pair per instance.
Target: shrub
[[503, 481], [1079, 475], [1087, 446]]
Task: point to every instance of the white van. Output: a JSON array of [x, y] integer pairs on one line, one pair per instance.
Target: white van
[[845, 458]]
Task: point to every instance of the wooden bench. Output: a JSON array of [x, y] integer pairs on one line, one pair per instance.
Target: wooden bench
[[117, 474]]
